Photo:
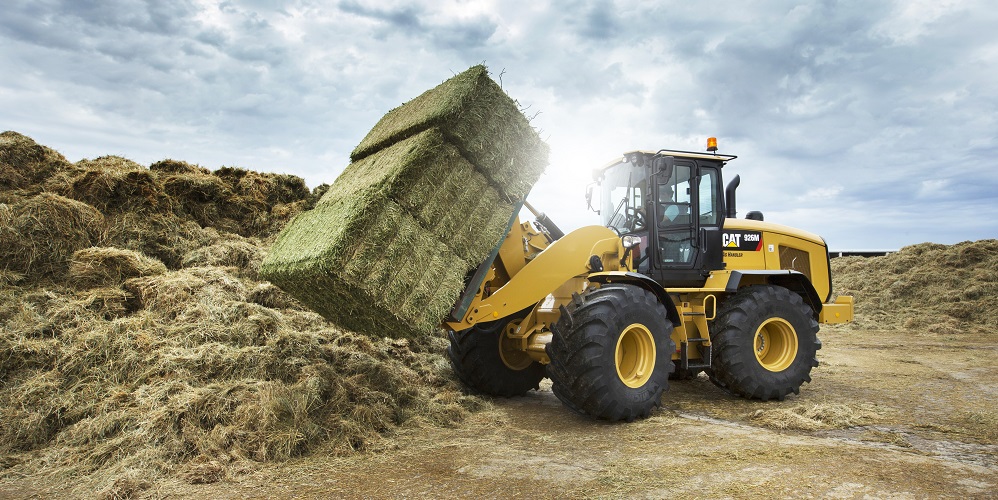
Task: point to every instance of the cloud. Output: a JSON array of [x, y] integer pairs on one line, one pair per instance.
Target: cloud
[[848, 119], [443, 29]]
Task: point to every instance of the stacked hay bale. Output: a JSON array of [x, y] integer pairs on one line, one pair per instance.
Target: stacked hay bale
[[430, 192]]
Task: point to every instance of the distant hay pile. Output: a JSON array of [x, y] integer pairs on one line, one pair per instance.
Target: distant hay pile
[[430, 192], [926, 288], [136, 342]]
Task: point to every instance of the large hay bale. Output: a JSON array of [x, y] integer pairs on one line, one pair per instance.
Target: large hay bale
[[480, 119], [366, 265], [40, 234], [24, 163], [387, 248], [109, 266], [430, 179]]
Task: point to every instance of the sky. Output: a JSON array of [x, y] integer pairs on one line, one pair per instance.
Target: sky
[[871, 123]]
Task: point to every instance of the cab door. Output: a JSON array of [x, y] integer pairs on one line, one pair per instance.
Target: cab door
[[687, 222]]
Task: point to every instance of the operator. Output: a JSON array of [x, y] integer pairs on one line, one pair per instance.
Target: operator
[[670, 209]]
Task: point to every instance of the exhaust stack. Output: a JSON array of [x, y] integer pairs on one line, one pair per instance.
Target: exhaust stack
[[729, 196]]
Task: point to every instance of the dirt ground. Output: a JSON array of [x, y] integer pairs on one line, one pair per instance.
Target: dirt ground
[[888, 415]]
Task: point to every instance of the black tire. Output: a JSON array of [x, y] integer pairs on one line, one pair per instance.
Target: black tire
[[765, 342], [584, 370], [474, 355]]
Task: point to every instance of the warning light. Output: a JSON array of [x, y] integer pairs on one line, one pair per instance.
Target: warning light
[[712, 144]]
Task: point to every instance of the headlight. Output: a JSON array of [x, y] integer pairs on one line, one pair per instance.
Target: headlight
[[630, 241]]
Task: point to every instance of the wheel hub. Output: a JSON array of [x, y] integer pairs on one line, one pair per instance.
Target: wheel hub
[[635, 355], [775, 344], [509, 351]]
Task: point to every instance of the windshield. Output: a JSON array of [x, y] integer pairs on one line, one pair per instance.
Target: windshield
[[623, 193]]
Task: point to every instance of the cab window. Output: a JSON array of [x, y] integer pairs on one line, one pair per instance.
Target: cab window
[[674, 198], [709, 210]]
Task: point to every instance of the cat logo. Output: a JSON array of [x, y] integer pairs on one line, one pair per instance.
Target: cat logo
[[731, 240], [749, 241]]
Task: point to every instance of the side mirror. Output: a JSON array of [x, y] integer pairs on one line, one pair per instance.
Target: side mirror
[[664, 168], [589, 197]]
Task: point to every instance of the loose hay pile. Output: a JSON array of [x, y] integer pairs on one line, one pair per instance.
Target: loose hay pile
[[38, 235], [137, 344], [108, 266], [811, 417], [926, 288], [430, 192]]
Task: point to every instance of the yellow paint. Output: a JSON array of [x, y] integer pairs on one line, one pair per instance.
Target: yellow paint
[[532, 271], [775, 344], [634, 355], [841, 311], [564, 259]]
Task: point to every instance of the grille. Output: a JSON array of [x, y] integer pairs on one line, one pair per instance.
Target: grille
[[796, 260]]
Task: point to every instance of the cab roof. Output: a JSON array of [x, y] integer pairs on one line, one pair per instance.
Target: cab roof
[[684, 154], [664, 152]]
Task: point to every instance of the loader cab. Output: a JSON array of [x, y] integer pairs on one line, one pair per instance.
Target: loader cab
[[672, 202]]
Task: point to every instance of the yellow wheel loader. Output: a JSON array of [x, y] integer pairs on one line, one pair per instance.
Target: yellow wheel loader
[[671, 285]]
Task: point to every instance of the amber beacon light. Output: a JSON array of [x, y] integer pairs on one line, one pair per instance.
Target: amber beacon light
[[712, 144]]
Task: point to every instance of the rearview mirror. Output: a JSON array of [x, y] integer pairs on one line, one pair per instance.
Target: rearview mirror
[[664, 167], [589, 197]]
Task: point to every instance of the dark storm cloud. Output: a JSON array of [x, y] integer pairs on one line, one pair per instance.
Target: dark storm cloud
[[405, 18], [413, 20], [597, 22]]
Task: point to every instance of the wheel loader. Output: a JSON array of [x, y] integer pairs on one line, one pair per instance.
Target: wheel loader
[[671, 285]]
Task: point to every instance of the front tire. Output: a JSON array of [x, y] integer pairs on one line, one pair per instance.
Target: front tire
[[477, 358], [611, 353], [765, 342]]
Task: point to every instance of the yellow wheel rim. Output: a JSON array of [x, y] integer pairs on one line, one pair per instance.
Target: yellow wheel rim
[[775, 344], [511, 355], [635, 355]]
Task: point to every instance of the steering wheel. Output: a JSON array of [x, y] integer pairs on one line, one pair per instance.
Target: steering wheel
[[637, 216]]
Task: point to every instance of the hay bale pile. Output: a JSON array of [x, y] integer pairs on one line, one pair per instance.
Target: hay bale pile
[[430, 192], [926, 288], [110, 266], [137, 344], [38, 235], [24, 164]]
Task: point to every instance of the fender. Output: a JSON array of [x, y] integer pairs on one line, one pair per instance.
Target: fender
[[792, 280], [642, 281]]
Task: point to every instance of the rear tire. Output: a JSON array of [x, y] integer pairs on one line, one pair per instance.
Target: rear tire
[[475, 356], [611, 353], [765, 341]]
